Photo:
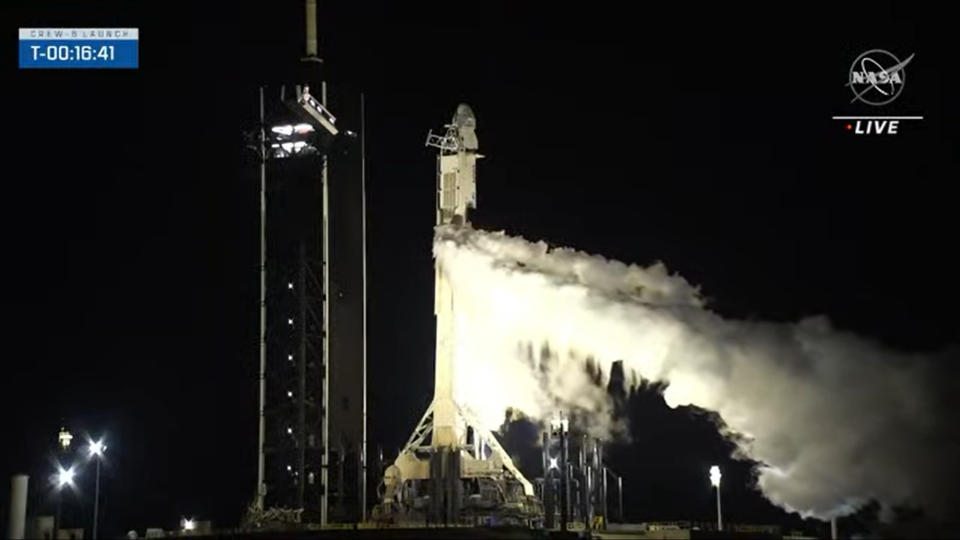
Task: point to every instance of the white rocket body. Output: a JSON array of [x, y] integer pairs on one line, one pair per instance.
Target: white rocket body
[[451, 425], [456, 193]]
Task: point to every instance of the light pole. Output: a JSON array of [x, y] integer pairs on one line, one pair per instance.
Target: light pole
[[96, 449], [715, 482], [64, 478]]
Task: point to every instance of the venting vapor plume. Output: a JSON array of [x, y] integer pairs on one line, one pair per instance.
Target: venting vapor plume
[[834, 419]]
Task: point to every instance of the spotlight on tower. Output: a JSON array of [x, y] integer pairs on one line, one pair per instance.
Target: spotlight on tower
[[287, 130]]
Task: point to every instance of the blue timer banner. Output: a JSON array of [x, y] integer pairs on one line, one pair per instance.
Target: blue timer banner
[[79, 48]]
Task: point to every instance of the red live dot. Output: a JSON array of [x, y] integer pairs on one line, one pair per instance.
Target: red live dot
[[849, 126]]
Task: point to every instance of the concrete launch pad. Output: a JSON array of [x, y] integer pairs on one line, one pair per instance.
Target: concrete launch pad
[[421, 533]]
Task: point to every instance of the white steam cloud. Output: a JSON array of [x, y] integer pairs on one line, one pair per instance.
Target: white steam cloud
[[834, 419]]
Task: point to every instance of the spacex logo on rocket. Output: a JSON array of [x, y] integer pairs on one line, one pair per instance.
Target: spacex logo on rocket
[[876, 77]]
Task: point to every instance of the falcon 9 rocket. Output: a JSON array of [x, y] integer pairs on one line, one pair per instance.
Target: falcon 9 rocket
[[452, 469]]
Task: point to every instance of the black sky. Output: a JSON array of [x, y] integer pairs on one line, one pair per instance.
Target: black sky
[[699, 137]]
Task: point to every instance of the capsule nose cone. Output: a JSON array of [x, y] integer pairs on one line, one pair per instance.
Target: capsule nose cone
[[466, 124], [464, 116]]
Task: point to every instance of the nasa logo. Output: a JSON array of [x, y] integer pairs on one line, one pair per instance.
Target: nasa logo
[[877, 77]]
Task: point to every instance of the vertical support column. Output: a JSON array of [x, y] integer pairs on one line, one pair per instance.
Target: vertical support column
[[301, 437], [344, 310], [586, 484], [363, 211], [452, 486], [325, 401], [549, 502], [620, 498], [564, 480], [602, 469], [261, 487], [96, 500], [477, 445], [341, 467], [719, 513], [435, 487], [56, 522], [361, 484]]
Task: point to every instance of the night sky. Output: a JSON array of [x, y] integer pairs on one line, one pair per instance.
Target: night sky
[[701, 138]]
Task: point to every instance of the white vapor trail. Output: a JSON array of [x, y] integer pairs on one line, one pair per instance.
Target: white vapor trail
[[834, 419]]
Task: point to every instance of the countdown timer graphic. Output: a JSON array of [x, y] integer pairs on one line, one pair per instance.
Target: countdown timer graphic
[[79, 48]]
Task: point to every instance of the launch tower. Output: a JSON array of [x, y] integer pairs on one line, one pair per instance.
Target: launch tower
[[311, 467]]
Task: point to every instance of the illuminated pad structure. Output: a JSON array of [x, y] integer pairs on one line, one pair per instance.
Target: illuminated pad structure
[[452, 469]]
